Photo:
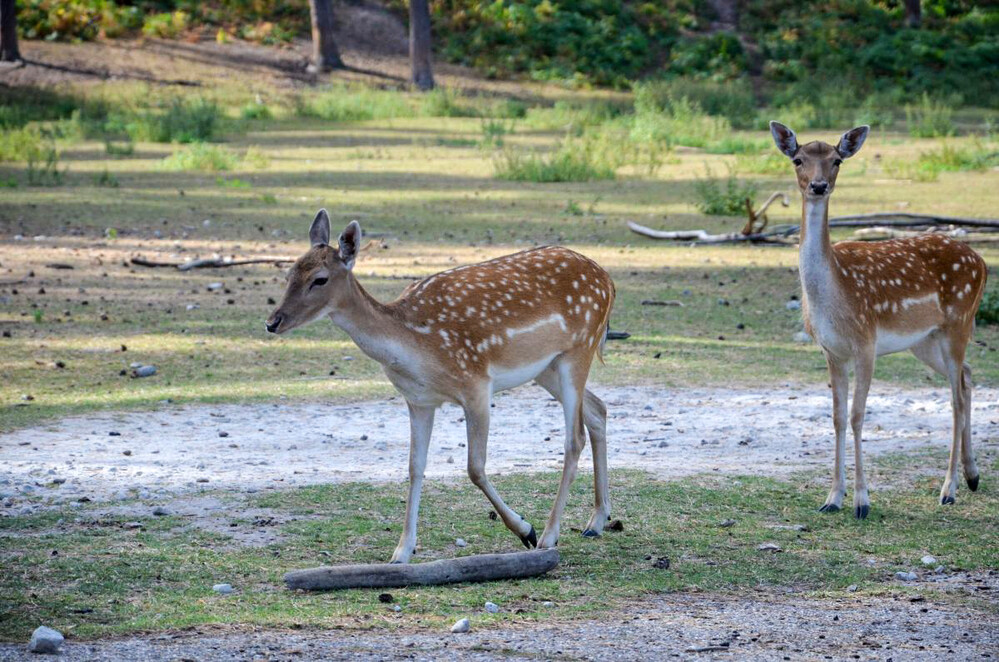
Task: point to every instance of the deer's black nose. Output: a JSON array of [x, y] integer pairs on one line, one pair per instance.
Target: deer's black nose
[[819, 188], [273, 324]]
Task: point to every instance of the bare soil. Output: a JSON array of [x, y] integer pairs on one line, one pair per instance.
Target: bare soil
[[754, 627]]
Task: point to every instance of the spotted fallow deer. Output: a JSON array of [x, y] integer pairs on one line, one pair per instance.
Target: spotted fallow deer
[[464, 334], [862, 300]]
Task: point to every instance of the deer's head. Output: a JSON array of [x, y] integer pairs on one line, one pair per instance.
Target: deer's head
[[319, 278], [816, 164]]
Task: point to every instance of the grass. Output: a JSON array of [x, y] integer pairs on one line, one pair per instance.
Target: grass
[[429, 187], [160, 576]]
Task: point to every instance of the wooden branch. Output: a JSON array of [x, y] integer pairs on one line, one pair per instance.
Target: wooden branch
[[478, 568], [703, 237], [209, 263], [761, 213], [914, 220], [656, 302]]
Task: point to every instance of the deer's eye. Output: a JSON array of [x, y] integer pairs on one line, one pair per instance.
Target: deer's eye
[[796, 162], [838, 162], [319, 282]]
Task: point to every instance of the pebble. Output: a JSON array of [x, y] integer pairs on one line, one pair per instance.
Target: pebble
[[460, 542], [224, 589], [396, 608], [160, 511], [906, 576], [461, 626], [793, 305], [144, 371], [852, 588], [45, 640], [492, 607], [928, 560]]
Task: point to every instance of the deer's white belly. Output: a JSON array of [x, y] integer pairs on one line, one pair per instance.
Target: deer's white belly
[[504, 377], [889, 342]]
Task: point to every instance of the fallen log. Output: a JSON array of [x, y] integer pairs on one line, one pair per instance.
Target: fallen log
[[477, 568], [907, 219], [703, 237], [212, 263], [657, 302]]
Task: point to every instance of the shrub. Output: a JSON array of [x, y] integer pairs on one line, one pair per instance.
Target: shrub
[[343, 103], [200, 156], [930, 118], [179, 120], [733, 100], [168, 25], [981, 154], [570, 117], [37, 149], [494, 132], [724, 197], [674, 121], [573, 160], [256, 110], [988, 309], [444, 102], [737, 145]]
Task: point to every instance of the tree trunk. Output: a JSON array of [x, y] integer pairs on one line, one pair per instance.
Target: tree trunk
[[419, 44], [325, 55], [8, 32], [727, 12], [913, 13]]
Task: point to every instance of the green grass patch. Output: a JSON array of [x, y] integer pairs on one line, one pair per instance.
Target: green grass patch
[[574, 160], [724, 196], [160, 577]]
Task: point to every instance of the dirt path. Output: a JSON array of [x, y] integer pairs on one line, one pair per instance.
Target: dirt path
[[178, 450], [758, 627]]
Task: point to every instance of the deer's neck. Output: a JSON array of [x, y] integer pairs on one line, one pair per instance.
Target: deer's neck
[[369, 323], [815, 255]]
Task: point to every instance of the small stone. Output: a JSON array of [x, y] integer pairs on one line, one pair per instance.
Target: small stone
[[662, 563], [492, 607], [132, 525], [224, 589], [928, 560], [940, 570], [223, 434], [160, 511], [45, 640], [727, 523], [852, 588], [547, 604], [769, 547], [906, 576], [126, 453], [396, 608], [144, 371], [793, 305], [385, 598], [460, 542], [461, 626], [212, 287]]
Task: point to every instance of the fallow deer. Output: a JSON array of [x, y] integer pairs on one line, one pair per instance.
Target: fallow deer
[[464, 334], [862, 300]]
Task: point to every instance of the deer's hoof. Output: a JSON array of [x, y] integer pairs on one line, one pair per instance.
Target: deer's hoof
[[530, 540], [946, 501], [973, 484], [590, 533], [861, 512], [829, 508]]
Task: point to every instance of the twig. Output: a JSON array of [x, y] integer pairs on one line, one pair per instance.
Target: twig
[[761, 213], [703, 237], [654, 302], [915, 220], [207, 263]]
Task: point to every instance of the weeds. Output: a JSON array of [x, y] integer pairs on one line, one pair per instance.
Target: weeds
[[494, 132], [737, 145], [929, 118], [573, 160], [179, 121], [256, 110], [444, 102], [35, 147], [980, 155], [674, 122], [724, 197], [106, 179], [118, 149], [255, 158], [988, 309], [762, 164], [343, 103], [569, 117], [201, 156]]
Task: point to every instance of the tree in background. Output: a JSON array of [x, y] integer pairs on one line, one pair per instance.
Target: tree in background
[[325, 55], [8, 32], [727, 12], [419, 44], [913, 13]]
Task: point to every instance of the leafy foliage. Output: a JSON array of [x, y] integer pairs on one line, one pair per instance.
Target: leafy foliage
[[988, 310], [724, 197]]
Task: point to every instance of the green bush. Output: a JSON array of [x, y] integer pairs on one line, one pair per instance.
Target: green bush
[[444, 102], [343, 103], [724, 197], [256, 110], [201, 156], [178, 120], [168, 25], [573, 160], [674, 121], [569, 116], [988, 309], [981, 154], [731, 144], [763, 164], [930, 118], [733, 100]]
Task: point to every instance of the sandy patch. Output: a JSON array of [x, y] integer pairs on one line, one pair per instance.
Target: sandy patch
[[669, 432]]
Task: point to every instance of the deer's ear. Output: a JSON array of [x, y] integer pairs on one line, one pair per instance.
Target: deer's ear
[[350, 243], [851, 141], [319, 233], [787, 141]]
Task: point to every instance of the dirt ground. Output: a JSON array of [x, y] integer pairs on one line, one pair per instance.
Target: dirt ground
[[671, 433], [755, 627]]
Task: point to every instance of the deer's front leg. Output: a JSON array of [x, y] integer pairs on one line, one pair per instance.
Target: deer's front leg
[[864, 368], [840, 391], [421, 424]]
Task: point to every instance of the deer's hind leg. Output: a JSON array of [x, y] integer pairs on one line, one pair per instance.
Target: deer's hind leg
[[938, 354], [595, 422], [567, 376]]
